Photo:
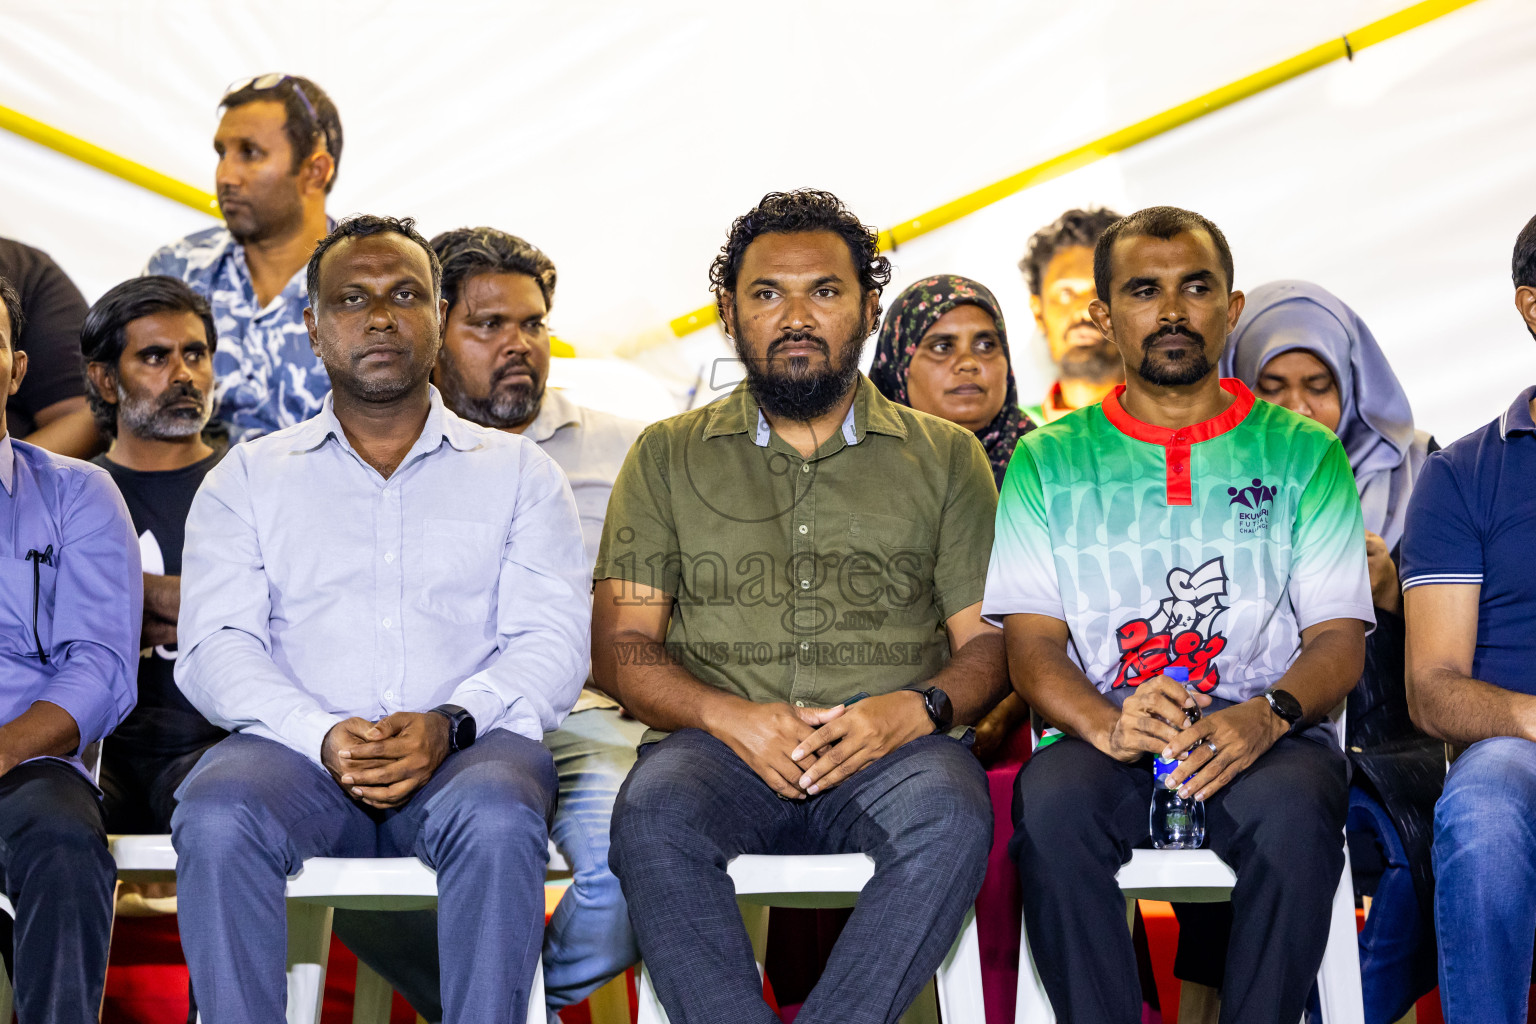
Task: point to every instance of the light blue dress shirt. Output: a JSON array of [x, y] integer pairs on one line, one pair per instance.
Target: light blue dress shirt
[[314, 589], [83, 585], [266, 374]]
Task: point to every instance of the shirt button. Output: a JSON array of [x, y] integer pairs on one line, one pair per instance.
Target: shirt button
[[799, 703], [805, 584], [387, 623], [805, 645], [803, 529], [389, 694], [389, 556], [805, 467]]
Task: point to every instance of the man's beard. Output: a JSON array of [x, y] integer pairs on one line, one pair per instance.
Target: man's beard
[[255, 222], [798, 392], [1174, 371], [500, 409], [1097, 363], [150, 419]]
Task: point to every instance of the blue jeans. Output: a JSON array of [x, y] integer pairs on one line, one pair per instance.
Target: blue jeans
[[691, 805], [253, 811], [588, 940], [1485, 882]]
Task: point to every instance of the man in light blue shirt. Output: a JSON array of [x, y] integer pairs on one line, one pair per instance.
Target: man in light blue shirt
[[492, 370], [279, 145], [70, 604], [394, 597]]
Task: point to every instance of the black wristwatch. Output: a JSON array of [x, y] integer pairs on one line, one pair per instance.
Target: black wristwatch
[[939, 708], [1284, 705], [461, 726]]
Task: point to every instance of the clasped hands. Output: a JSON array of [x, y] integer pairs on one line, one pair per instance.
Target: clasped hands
[[800, 752], [1214, 751], [382, 764]]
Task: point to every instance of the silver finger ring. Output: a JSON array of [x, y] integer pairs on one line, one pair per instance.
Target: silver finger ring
[[1212, 745]]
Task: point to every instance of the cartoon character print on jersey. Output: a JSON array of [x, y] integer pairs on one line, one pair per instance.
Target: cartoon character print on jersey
[[1181, 633]]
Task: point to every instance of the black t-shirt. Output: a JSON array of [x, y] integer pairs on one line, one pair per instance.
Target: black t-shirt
[[55, 311], [164, 723]]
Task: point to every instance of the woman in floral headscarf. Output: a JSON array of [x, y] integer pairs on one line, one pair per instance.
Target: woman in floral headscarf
[[943, 350]]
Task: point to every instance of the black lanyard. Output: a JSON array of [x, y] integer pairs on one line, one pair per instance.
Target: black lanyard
[[38, 560]]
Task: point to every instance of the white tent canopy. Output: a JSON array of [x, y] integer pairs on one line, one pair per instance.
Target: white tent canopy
[[622, 139]]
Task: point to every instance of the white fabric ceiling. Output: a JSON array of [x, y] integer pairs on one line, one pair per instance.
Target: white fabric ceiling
[[622, 139]]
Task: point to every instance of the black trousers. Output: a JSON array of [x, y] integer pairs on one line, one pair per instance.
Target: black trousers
[[59, 877], [1079, 813], [139, 790]]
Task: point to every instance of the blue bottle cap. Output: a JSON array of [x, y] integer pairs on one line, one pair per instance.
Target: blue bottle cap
[[1178, 673]]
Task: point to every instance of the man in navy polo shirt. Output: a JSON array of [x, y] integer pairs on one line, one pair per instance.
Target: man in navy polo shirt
[[1470, 603]]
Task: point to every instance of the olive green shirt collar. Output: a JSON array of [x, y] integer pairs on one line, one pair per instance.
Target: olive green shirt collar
[[870, 412]]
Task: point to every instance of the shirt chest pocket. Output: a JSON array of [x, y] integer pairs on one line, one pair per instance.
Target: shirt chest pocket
[[890, 564], [461, 565], [21, 595]]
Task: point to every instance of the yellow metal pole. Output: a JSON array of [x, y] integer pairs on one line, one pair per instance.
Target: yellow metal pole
[[86, 152], [1115, 142]]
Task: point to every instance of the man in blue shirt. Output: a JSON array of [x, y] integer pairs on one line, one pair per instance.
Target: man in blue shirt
[[69, 640], [388, 606], [279, 144], [1469, 598]]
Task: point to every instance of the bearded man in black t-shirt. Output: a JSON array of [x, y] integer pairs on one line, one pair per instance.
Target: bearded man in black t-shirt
[[148, 345]]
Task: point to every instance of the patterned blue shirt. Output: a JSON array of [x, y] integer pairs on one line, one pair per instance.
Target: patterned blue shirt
[[267, 376]]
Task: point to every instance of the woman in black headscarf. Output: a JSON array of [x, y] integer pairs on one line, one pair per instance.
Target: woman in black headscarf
[[943, 350]]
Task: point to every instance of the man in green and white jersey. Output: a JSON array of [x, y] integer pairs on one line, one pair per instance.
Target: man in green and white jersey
[[1180, 523]]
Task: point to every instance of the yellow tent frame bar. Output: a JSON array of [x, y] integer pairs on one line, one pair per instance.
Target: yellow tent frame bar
[[89, 153], [1344, 47], [1115, 142]]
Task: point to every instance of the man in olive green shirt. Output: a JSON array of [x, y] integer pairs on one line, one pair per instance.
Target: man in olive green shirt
[[788, 593]]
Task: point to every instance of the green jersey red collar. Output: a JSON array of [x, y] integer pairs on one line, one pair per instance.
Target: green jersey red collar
[[1176, 443]]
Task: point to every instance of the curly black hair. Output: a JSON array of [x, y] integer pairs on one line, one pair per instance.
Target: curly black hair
[[1154, 222], [361, 226], [804, 209], [1075, 227]]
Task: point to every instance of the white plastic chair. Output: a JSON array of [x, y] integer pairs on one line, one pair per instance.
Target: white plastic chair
[[835, 880], [322, 885], [1199, 876]]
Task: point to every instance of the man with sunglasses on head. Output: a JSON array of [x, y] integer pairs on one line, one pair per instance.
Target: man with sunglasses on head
[[70, 603], [279, 144]]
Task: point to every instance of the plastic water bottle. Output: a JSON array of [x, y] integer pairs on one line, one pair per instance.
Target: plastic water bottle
[[1177, 823]]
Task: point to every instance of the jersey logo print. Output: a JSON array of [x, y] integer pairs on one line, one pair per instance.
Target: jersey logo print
[[1254, 496], [1181, 633], [1255, 519]]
